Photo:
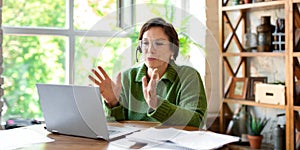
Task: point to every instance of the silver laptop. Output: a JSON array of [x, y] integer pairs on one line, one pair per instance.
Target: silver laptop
[[76, 110]]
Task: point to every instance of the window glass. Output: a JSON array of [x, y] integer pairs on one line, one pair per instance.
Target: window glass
[[88, 13], [168, 2], [35, 13], [30, 60], [113, 54]]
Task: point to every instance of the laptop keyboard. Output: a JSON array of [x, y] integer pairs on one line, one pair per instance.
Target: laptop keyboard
[[116, 131], [112, 132]]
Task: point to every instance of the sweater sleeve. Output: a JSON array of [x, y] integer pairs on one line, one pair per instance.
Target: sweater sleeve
[[114, 114], [192, 103]]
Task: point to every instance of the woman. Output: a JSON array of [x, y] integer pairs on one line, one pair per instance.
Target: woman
[[159, 90]]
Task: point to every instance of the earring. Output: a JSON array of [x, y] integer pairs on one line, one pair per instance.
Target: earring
[[172, 57]]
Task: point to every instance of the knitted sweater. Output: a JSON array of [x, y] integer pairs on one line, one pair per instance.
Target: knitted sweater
[[180, 92]]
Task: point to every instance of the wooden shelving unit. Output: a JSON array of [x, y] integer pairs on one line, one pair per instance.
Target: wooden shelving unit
[[252, 103], [271, 4], [292, 21], [256, 54]]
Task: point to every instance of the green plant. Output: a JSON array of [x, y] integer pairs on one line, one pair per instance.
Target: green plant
[[256, 125]]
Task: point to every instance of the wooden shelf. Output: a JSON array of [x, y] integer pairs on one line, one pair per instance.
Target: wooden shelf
[[232, 27], [297, 108], [258, 5], [296, 54], [255, 54], [253, 103]]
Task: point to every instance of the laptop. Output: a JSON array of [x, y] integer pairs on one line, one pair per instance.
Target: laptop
[[77, 111]]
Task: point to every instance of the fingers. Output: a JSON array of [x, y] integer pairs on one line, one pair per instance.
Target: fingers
[[103, 72], [155, 74], [144, 81], [149, 89], [100, 76], [97, 75], [154, 79], [145, 84], [94, 80]]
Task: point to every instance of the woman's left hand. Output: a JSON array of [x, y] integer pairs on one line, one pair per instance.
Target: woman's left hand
[[149, 89]]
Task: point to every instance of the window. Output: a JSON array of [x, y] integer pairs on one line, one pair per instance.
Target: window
[[56, 41]]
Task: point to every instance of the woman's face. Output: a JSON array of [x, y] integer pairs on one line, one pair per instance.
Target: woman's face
[[156, 48]]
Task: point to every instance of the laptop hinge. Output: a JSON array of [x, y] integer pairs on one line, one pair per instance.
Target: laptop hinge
[[54, 131]]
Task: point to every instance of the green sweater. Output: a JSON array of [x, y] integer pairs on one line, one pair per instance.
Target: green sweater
[[180, 92]]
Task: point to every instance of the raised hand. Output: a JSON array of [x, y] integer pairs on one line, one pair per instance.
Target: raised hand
[[149, 89], [108, 88]]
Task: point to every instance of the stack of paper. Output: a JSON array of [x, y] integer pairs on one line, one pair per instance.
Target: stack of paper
[[20, 137], [181, 138]]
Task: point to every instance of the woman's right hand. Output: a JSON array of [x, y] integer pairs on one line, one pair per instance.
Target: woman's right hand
[[108, 89]]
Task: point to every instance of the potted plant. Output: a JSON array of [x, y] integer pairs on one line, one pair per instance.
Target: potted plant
[[255, 127]]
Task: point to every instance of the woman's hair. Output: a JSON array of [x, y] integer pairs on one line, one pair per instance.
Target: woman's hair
[[168, 29]]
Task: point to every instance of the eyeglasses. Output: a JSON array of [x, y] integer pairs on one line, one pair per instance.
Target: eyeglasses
[[157, 44]]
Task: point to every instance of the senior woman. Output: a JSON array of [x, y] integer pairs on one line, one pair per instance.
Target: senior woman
[[159, 89]]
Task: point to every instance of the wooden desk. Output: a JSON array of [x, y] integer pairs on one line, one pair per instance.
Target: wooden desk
[[70, 142]]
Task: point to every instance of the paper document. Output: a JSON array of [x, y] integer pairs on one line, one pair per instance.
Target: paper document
[[204, 140], [20, 137], [125, 144], [181, 138], [156, 135]]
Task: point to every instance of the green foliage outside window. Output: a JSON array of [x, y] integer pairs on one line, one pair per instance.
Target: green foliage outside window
[[27, 61], [37, 13], [31, 59]]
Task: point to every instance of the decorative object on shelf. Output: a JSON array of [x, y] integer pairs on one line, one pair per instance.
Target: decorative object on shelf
[[238, 88], [252, 81], [259, 0], [238, 124], [250, 41], [232, 125], [264, 35], [280, 25], [255, 126], [247, 1], [235, 2], [279, 135], [243, 123], [279, 35], [270, 93], [279, 41]]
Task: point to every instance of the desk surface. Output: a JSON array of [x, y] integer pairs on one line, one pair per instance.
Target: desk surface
[[74, 143]]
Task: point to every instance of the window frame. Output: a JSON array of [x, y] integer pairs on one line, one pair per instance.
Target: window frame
[[69, 32]]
